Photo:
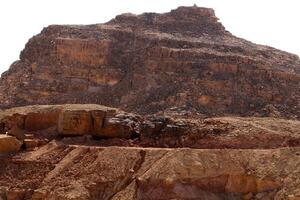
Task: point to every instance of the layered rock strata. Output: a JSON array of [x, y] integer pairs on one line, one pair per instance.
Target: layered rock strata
[[184, 58], [92, 124], [176, 88]]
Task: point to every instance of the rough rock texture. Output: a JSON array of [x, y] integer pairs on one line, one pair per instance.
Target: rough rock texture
[[151, 62], [199, 113], [110, 126], [57, 171]]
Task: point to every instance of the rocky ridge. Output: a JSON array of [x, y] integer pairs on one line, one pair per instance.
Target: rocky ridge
[[184, 58]]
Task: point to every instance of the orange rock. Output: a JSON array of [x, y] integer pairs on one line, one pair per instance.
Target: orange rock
[[74, 122], [98, 117], [9, 144], [40, 121], [266, 185], [240, 184]]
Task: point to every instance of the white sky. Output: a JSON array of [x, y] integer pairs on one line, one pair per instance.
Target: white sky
[[270, 22]]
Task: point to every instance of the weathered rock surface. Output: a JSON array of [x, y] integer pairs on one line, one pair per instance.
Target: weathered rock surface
[[84, 167], [181, 86], [151, 62], [81, 172], [116, 127]]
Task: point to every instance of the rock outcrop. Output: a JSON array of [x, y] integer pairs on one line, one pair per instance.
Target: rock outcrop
[[91, 124], [152, 62], [57, 171], [159, 106]]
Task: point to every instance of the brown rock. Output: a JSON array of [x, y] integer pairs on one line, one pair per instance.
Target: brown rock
[[153, 173], [173, 129], [15, 194], [240, 184], [178, 69], [31, 143], [9, 144], [40, 121], [98, 117], [17, 132], [122, 125], [151, 62], [266, 185], [13, 120], [39, 195], [72, 123]]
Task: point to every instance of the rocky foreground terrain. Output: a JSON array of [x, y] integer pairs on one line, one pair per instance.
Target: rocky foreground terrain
[[151, 107]]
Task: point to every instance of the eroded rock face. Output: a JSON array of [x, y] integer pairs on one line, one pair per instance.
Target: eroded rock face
[[171, 77], [79, 164], [104, 126], [71, 172], [151, 62]]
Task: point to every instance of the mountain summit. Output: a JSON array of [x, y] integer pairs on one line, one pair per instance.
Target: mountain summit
[[154, 62]]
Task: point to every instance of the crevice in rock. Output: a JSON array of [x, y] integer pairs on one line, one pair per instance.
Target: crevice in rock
[[131, 178]]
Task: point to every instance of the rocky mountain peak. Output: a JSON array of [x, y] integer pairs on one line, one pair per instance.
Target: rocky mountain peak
[[193, 20], [150, 106], [184, 58]]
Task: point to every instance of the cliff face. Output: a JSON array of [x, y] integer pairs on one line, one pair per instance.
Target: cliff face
[[152, 62]]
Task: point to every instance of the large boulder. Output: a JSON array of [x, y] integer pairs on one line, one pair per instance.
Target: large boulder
[[72, 123], [9, 144], [99, 123], [77, 120]]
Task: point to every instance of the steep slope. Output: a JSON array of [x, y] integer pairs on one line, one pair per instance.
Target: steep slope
[[153, 62]]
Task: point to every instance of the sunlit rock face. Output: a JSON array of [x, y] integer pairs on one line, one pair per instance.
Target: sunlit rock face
[[152, 62]]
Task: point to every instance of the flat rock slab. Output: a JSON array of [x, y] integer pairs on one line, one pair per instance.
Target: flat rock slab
[[9, 144]]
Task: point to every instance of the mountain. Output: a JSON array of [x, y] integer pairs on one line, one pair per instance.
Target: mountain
[[153, 62], [150, 107]]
